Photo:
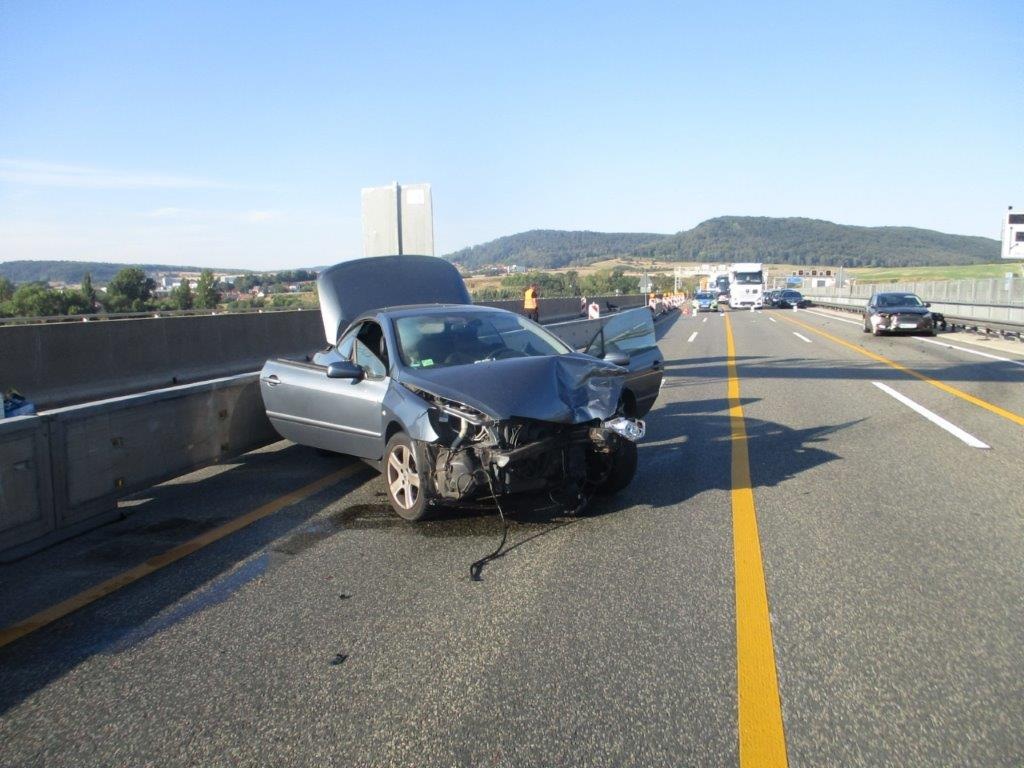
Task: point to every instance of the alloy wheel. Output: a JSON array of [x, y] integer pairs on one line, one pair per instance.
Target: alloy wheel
[[403, 478]]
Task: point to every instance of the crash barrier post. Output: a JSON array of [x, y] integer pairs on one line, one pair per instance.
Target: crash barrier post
[[26, 488], [63, 471]]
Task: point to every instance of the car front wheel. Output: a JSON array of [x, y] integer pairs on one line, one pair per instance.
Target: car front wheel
[[405, 476], [623, 467]]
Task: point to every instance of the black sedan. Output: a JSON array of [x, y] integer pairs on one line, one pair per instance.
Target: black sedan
[[789, 298], [900, 313]]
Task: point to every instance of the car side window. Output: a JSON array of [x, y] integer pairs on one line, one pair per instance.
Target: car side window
[[630, 331], [370, 351], [345, 345]]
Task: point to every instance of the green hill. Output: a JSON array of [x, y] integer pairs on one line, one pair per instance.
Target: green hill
[[742, 238], [72, 271], [552, 248]]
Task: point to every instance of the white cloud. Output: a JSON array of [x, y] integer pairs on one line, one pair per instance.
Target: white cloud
[[165, 213], [256, 217], [219, 218], [37, 174]]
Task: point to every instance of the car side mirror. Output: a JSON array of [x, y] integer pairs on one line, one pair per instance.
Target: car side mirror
[[344, 370], [927, 303], [617, 358]]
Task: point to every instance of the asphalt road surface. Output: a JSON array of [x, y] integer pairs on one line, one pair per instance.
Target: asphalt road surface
[[329, 632]]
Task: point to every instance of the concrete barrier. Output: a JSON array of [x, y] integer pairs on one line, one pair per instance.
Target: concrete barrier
[[26, 490], [66, 363], [559, 309], [54, 365], [62, 472]]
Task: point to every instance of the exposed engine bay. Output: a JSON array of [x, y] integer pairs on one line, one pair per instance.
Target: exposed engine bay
[[476, 455]]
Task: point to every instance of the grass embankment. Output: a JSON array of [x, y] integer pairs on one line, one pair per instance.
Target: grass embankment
[[913, 274]]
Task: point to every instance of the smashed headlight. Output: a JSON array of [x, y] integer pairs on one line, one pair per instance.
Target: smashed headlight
[[631, 429]]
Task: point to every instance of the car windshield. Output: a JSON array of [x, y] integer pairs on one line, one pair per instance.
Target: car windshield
[[706, 295], [463, 338], [749, 278], [792, 294], [899, 300]]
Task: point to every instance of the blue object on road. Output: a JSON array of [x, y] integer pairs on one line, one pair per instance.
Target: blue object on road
[[16, 405]]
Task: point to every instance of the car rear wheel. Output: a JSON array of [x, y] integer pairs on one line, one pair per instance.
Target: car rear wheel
[[623, 467], [404, 474]]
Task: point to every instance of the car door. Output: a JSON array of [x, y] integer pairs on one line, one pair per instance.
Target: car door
[[632, 333], [870, 309], [341, 415]]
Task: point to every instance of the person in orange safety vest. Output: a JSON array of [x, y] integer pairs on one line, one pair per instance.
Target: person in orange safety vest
[[530, 303]]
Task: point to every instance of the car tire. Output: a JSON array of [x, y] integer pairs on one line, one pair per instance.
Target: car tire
[[623, 468], [406, 478], [867, 327]]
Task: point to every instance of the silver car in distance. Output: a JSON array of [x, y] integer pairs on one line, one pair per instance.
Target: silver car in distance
[[453, 401]]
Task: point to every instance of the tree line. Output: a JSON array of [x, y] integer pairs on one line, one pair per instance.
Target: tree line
[[602, 282], [130, 290]]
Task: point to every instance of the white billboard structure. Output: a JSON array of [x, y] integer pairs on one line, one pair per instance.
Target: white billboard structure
[[1013, 234], [398, 219]]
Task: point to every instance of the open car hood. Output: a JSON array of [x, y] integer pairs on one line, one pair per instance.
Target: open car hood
[[565, 389], [351, 288]]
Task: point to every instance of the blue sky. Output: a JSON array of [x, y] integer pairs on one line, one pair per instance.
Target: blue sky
[[238, 134]]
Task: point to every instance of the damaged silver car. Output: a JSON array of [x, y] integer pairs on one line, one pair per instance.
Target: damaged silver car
[[454, 402]]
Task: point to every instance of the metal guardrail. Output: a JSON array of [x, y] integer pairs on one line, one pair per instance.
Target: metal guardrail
[[1002, 328], [63, 471], [560, 313], [149, 314]]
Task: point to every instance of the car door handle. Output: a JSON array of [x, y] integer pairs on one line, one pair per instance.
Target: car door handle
[[272, 380]]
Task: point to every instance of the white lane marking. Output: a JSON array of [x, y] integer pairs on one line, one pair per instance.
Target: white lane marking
[[772, 319], [934, 418], [802, 338], [704, 320], [692, 337], [834, 317], [970, 351]]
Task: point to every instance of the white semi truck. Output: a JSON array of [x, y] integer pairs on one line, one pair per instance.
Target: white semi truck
[[746, 286]]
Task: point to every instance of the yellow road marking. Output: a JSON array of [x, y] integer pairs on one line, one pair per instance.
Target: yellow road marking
[[762, 739], [49, 615], [1010, 415]]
